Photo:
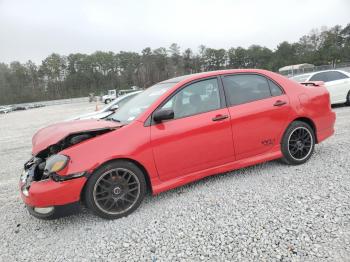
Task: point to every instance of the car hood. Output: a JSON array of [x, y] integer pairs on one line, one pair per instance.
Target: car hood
[[52, 134]]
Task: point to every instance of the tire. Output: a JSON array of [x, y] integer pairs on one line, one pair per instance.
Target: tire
[[298, 143], [115, 190], [107, 101], [348, 99]]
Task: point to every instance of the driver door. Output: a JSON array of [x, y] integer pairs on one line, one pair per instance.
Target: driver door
[[199, 137]]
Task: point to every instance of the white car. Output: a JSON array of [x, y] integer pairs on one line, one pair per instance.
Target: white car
[[113, 94], [109, 109], [337, 83], [5, 109]]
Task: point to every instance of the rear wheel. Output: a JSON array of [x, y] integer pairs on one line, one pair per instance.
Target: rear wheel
[[298, 143], [115, 190]]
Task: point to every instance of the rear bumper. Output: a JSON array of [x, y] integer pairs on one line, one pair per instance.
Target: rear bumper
[[325, 133]]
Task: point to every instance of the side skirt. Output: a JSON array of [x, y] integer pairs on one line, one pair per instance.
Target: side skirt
[[159, 186]]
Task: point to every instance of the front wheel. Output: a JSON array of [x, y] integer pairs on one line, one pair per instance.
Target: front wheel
[[115, 190], [107, 101], [298, 143]]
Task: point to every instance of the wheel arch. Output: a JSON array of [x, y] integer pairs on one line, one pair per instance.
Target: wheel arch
[[138, 164], [309, 122]]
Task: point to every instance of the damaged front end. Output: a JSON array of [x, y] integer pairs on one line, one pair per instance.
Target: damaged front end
[[43, 189], [48, 162]]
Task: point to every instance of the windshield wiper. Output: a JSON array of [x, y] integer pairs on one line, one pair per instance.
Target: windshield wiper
[[112, 119]]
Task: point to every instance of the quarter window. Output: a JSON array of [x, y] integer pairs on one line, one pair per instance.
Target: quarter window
[[275, 89], [241, 88], [196, 98]]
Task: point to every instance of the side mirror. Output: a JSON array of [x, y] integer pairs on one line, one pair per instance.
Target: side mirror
[[163, 114]]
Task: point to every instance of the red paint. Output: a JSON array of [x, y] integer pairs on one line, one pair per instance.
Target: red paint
[[49, 193], [180, 151], [191, 144], [52, 134]]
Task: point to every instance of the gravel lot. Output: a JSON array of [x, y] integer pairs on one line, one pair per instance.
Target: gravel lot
[[268, 212]]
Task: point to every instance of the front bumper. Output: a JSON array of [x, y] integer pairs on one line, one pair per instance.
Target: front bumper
[[50, 193], [54, 211], [46, 198]]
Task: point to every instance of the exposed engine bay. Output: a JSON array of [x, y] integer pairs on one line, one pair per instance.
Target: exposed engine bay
[[34, 169]]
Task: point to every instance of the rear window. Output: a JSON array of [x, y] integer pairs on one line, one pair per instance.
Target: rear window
[[328, 76], [335, 75]]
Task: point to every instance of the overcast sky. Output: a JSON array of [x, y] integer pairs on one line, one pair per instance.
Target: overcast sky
[[33, 29]]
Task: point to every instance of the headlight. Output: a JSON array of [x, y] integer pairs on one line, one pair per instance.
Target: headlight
[[56, 163]]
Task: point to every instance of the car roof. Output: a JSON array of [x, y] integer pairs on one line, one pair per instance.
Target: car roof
[[322, 71], [190, 77]]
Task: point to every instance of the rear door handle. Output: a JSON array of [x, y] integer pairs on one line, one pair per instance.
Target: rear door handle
[[219, 117], [280, 103]]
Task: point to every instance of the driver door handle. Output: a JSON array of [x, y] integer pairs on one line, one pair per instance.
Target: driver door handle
[[219, 117]]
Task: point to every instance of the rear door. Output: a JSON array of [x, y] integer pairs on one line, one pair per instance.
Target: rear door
[[199, 137], [259, 111]]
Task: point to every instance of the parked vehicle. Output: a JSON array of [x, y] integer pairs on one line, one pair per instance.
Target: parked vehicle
[[337, 83], [173, 133], [109, 109], [5, 109], [113, 94], [127, 91]]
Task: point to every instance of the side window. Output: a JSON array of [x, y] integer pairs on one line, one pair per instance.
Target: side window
[[320, 77], [241, 88], [199, 97], [275, 89], [334, 75]]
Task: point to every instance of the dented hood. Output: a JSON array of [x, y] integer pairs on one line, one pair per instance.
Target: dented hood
[[52, 134]]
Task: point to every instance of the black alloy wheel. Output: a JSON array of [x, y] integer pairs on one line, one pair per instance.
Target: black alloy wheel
[[115, 190], [298, 143]]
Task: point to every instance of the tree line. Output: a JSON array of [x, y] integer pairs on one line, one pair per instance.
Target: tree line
[[79, 74]]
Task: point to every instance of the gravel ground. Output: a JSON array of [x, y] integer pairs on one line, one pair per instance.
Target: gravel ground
[[268, 212]]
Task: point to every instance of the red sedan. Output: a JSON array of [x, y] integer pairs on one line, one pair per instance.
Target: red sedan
[[175, 132]]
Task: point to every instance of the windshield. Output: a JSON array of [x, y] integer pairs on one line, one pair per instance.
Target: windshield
[[301, 78], [138, 104]]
